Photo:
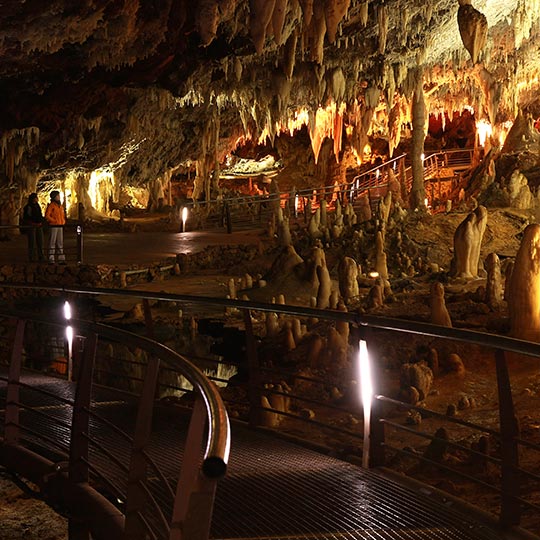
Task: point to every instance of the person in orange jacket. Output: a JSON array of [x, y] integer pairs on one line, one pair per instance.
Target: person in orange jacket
[[56, 218]]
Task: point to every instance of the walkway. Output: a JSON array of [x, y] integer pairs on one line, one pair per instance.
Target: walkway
[[138, 248], [273, 489]]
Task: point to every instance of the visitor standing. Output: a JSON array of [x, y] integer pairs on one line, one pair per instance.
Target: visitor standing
[[33, 228], [56, 218]]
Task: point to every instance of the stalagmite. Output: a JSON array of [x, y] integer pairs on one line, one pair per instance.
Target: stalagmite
[[343, 327], [296, 327], [232, 289], [336, 348], [314, 230], [507, 277], [524, 287], [284, 233], [248, 281], [380, 257], [325, 287], [324, 215], [375, 297], [473, 28], [290, 343], [268, 418], [272, 324], [314, 352], [494, 292], [467, 244], [439, 313], [418, 193], [348, 279], [334, 299], [364, 209]]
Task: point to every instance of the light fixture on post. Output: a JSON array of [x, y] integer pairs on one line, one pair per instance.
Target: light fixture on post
[[69, 338], [184, 218], [366, 395]]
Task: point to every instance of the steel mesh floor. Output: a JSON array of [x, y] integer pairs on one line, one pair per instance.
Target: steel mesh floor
[[273, 489]]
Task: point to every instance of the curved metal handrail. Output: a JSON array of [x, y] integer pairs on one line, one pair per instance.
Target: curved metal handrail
[[218, 440], [374, 321]]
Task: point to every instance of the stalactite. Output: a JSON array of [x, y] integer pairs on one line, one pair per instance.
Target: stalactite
[[417, 145], [289, 54], [364, 12], [207, 20], [382, 19], [317, 33], [334, 11], [491, 89], [473, 28], [260, 16], [307, 11], [278, 19]]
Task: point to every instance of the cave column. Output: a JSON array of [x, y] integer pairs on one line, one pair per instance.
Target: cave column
[[418, 193]]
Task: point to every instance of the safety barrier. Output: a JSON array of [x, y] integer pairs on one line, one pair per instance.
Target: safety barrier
[[251, 211], [55, 435], [493, 453]]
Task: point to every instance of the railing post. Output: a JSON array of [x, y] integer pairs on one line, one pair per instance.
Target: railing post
[[254, 374], [78, 449], [136, 497], [148, 320], [228, 218], [11, 429], [192, 512], [79, 230], [510, 507], [376, 436]]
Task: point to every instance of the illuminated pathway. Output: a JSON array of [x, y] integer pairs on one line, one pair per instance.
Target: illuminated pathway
[[275, 489]]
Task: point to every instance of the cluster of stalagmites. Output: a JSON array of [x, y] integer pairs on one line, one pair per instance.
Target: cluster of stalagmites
[[318, 347]]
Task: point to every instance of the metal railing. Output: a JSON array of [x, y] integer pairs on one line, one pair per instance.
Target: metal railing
[[56, 436], [255, 210], [73, 249], [284, 395]]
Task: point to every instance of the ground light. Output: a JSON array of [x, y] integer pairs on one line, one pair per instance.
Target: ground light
[[184, 218], [69, 338], [366, 395]]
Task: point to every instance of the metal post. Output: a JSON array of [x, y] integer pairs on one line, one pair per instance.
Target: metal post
[[11, 429], [79, 244], [510, 481], [78, 449], [193, 504], [136, 496], [254, 392], [148, 320], [228, 218]]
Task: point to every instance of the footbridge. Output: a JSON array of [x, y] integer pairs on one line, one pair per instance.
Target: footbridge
[[442, 172], [132, 440]]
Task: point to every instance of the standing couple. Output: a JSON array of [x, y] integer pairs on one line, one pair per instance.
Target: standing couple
[[33, 221]]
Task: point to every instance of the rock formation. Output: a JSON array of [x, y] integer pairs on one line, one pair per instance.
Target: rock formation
[[467, 244]]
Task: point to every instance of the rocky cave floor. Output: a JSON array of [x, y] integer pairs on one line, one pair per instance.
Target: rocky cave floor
[[470, 391]]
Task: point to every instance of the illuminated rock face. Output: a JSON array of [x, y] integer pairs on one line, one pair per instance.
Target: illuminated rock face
[[147, 87], [524, 287]]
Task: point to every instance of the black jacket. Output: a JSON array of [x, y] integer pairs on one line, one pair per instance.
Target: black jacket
[[32, 214]]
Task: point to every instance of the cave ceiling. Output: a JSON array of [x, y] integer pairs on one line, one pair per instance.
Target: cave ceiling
[[145, 86]]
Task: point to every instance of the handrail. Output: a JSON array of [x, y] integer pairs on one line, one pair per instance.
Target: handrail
[[218, 440], [382, 323], [508, 490]]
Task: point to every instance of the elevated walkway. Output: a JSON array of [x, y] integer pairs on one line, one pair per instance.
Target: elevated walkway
[[273, 489]]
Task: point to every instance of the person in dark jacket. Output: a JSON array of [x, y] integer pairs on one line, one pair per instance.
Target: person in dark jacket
[[33, 228]]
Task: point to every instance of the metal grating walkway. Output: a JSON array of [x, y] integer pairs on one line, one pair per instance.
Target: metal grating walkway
[[273, 489]]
